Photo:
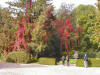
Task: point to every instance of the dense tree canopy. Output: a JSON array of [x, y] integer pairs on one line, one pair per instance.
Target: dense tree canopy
[[34, 28]]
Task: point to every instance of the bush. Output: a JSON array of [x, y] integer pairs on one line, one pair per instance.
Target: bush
[[92, 62], [17, 57], [98, 55], [80, 63], [47, 61], [91, 54], [81, 55], [32, 59], [71, 61]]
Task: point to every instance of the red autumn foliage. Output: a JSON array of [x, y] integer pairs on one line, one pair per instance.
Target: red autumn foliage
[[63, 29], [20, 39], [9, 48]]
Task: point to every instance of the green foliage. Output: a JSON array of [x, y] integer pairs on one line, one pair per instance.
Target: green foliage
[[98, 54], [17, 57], [81, 55], [89, 54], [32, 59], [85, 16], [7, 30], [47, 61], [92, 62], [96, 28], [81, 13], [71, 61], [80, 63], [38, 44]]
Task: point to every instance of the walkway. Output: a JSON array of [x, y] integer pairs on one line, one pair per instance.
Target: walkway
[[32, 69]]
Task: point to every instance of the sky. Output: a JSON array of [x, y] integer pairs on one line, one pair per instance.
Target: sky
[[57, 3]]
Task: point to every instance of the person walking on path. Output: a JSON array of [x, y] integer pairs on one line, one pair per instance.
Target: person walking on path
[[63, 60], [85, 61], [67, 58]]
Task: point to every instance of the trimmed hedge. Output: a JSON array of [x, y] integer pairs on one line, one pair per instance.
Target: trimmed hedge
[[80, 63], [17, 57], [71, 61], [92, 62], [47, 61]]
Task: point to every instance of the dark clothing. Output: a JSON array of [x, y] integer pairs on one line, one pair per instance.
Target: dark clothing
[[63, 60], [67, 61]]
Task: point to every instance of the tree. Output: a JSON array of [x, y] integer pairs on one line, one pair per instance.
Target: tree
[[64, 11], [29, 7], [44, 36], [95, 37], [85, 16], [25, 10], [82, 12], [8, 29]]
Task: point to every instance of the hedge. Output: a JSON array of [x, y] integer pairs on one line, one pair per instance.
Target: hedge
[[80, 62], [92, 62], [47, 61], [71, 61], [17, 57]]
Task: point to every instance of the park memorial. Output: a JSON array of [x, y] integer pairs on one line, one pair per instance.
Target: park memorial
[[34, 32]]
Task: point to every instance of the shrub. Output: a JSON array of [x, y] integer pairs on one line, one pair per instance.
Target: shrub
[[71, 61], [81, 55], [17, 57], [80, 63], [32, 59], [98, 55], [91, 54], [92, 62], [47, 61]]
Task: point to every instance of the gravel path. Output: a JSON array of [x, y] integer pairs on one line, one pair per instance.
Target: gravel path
[[32, 69]]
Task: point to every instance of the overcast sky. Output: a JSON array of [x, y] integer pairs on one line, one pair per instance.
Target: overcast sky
[[57, 3]]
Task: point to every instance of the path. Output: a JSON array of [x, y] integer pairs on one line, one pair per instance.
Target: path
[[32, 69]]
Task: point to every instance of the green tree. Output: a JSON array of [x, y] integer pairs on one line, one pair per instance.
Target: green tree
[[85, 16], [95, 37], [8, 29], [81, 12]]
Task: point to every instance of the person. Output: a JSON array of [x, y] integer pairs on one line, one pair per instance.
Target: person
[[63, 60], [85, 61], [67, 58]]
